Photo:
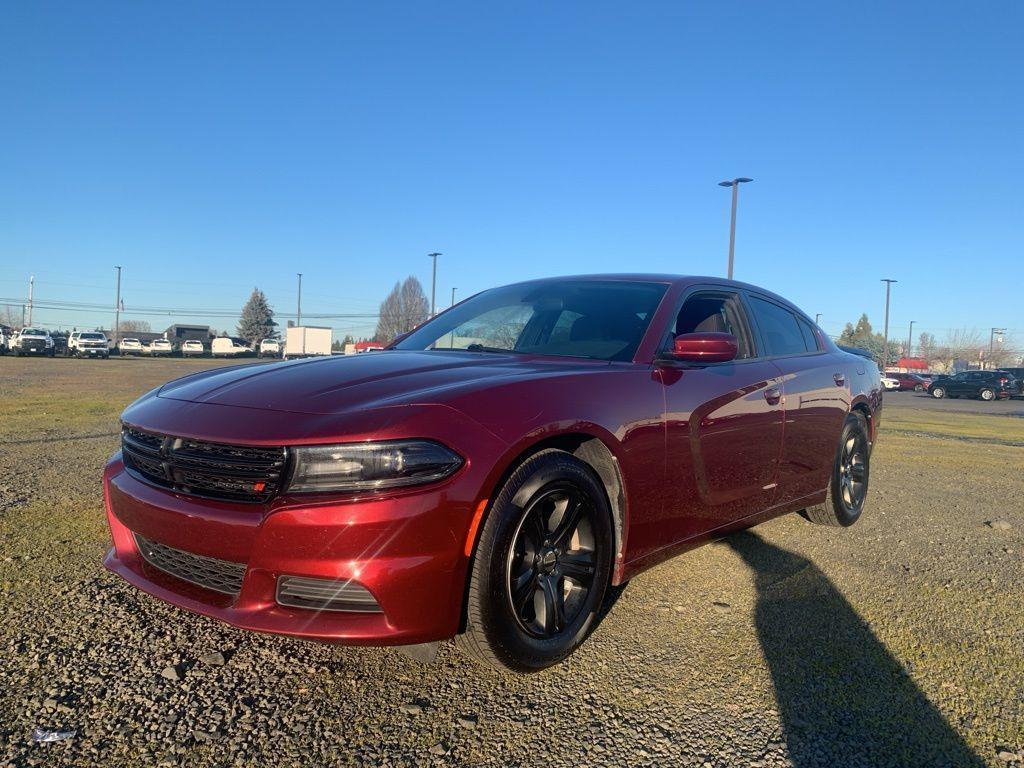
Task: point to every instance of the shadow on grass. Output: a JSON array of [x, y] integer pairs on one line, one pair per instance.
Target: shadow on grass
[[843, 699]]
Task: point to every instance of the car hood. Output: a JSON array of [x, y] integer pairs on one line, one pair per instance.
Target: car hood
[[339, 384]]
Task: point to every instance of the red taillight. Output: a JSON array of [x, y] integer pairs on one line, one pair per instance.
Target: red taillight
[[1004, 381]]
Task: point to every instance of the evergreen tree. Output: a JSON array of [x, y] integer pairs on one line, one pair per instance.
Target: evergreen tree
[[257, 321]]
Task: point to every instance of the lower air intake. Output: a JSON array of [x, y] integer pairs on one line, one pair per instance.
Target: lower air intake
[[325, 595], [219, 575]]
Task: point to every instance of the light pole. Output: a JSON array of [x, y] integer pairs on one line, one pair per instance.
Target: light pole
[[117, 308], [885, 346], [433, 283], [910, 339], [31, 287], [817, 319], [298, 307], [991, 342], [453, 297], [735, 184]]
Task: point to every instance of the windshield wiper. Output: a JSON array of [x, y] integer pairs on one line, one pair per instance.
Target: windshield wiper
[[482, 348]]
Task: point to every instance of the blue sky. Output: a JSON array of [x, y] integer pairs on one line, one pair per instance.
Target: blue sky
[[209, 148]]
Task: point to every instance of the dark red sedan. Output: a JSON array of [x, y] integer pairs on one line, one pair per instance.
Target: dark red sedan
[[492, 474]]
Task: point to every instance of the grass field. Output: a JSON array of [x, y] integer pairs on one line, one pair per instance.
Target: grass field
[[895, 642]]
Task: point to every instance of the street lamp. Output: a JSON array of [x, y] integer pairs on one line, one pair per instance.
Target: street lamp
[[910, 339], [453, 297], [885, 347], [433, 282], [735, 184], [298, 304], [991, 342]]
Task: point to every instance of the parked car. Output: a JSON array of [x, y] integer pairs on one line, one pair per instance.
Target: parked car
[[32, 341], [129, 347], [890, 382], [986, 385], [229, 346], [159, 348], [5, 339], [909, 381], [60, 343], [1018, 374], [494, 472], [270, 348], [89, 344], [192, 348]]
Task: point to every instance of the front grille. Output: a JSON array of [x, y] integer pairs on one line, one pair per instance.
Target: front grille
[[209, 572], [213, 470]]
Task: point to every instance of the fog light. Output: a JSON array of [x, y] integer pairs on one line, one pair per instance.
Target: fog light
[[325, 595]]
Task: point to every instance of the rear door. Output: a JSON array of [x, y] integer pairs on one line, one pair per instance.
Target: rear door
[[723, 422], [817, 396]]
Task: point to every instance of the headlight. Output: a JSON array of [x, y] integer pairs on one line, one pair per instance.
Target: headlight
[[369, 466]]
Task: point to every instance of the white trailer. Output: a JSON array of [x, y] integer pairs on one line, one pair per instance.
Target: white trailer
[[307, 340]]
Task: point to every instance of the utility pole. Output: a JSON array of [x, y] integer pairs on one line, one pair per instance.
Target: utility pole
[[117, 307], [453, 297], [735, 184], [31, 286], [298, 308], [991, 342], [817, 319], [910, 340], [433, 282], [885, 347]]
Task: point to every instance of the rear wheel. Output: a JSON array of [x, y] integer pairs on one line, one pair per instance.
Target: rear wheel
[[848, 483], [542, 566], [919, 388], [987, 394]]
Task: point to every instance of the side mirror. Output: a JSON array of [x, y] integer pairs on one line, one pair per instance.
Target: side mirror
[[704, 348]]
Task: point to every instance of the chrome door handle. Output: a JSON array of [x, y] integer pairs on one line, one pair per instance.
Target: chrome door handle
[[839, 379], [773, 395]]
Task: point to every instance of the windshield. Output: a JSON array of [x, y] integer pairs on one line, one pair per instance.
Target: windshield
[[598, 319], [91, 336], [32, 332]]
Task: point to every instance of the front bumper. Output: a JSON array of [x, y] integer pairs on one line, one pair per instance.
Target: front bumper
[[93, 351], [408, 549]]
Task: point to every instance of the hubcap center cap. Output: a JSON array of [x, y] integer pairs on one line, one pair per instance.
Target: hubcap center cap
[[547, 560]]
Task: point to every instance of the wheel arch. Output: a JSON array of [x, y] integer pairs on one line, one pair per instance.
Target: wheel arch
[[588, 448]]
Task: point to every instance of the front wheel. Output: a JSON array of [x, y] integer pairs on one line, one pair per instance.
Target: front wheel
[[938, 393], [542, 566], [848, 483]]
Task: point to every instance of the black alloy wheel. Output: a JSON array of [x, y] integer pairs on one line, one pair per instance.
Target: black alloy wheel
[[541, 566], [550, 569], [853, 472]]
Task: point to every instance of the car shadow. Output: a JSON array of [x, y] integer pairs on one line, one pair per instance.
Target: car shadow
[[843, 699]]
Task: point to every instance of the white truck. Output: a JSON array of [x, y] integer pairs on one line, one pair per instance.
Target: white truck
[[229, 346], [89, 344], [270, 348], [32, 341], [308, 341]]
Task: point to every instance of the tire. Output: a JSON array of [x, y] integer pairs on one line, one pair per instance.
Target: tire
[[987, 394], [848, 482], [919, 388], [524, 552], [938, 393]]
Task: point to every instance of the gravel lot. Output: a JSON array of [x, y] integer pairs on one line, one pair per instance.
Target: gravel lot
[[896, 642]]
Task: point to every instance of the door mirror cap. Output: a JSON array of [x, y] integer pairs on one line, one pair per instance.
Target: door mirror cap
[[704, 348]]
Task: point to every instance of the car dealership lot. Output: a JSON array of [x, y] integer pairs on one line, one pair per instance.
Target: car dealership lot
[[896, 642]]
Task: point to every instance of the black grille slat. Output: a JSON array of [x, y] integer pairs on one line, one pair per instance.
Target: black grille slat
[[222, 576], [249, 474]]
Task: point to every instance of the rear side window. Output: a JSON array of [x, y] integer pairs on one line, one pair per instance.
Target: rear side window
[[779, 327], [810, 337]]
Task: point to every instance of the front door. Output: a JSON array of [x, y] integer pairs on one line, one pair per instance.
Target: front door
[[724, 424]]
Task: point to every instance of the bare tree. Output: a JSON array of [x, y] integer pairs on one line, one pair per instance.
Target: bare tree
[[404, 308], [10, 315], [135, 326], [959, 344]]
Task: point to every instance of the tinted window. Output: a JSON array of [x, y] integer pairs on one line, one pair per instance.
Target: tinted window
[[600, 319], [810, 337], [715, 313], [779, 328]]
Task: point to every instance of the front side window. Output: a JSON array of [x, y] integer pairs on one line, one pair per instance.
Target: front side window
[[597, 319], [715, 313], [779, 328]]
